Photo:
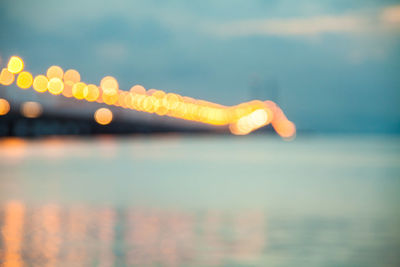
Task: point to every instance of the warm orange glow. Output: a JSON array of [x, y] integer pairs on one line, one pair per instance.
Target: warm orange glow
[[248, 123], [91, 92], [138, 89], [31, 109], [109, 83], [72, 75], [109, 97], [24, 80], [78, 90], [103, 116], [285, 128], [6, 77], [55, 86], [15, 65], [12, 234], [70, 78], [55, 72], [67, 92], [40, 83], [109, 86], [4, 107], [242, 119]]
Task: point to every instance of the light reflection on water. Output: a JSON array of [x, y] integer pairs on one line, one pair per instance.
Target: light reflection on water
[[51, 235], [54, 235], [200, 202]]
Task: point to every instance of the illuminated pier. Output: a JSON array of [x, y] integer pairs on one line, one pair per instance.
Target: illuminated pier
[[241, 119]]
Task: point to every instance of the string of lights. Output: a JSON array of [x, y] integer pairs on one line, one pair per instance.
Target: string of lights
[[242, 119]]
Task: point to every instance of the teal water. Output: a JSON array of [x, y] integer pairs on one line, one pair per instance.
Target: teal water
[[201, 201]]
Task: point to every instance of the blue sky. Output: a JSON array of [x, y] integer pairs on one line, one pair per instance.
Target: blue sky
[[336, 63]]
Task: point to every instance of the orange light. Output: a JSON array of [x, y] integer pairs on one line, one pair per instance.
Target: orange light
[[31, 109], [91, 92], [285, 128], [110, 99], [258, 118], [4, 107], [72, 75], [78, 90], [55, 72], [109, 84], [151, 91], [15, 65], [67, 92], [242, 119], [24, 80], [40, 83], [138, 89], [13, 227], [70, 78], [55, 86], [6, 77], [137, 102], [103, 116]]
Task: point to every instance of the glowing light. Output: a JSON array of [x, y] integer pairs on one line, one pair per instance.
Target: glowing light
[[78, 90], [40, 83], [13, 234], [110, 99], [4, 107], [259, 118], [6, 77], [24, 80], [15, 65], [242, 119], [72, 75], [91, 92], [103, 116], [67, 92], [285, 128], [109, 86], [55, 86], [109, 83], [31, 109], [70, 78], [138, 89], [55, 72]]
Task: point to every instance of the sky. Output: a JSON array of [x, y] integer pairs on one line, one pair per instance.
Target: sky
[[333, 66]]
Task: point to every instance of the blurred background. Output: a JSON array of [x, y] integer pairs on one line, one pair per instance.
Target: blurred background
[[146, 190]]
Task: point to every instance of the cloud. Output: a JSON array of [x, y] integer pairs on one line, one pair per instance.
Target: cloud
[[391, 15], [357, 22]]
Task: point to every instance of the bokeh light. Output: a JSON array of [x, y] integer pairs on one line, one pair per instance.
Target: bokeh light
[[103, 116], [109, 86], [6, 77], [55, 86], [138, 89], [72, 75], [55, 72], [24, 80], [109, 83], [242, 119], [78, 90], [67, 92], [91, 92], [15, 65], [40, 83], [31, 109], [4, 107]]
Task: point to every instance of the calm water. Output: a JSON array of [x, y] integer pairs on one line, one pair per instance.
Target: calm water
[[200, 201]]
